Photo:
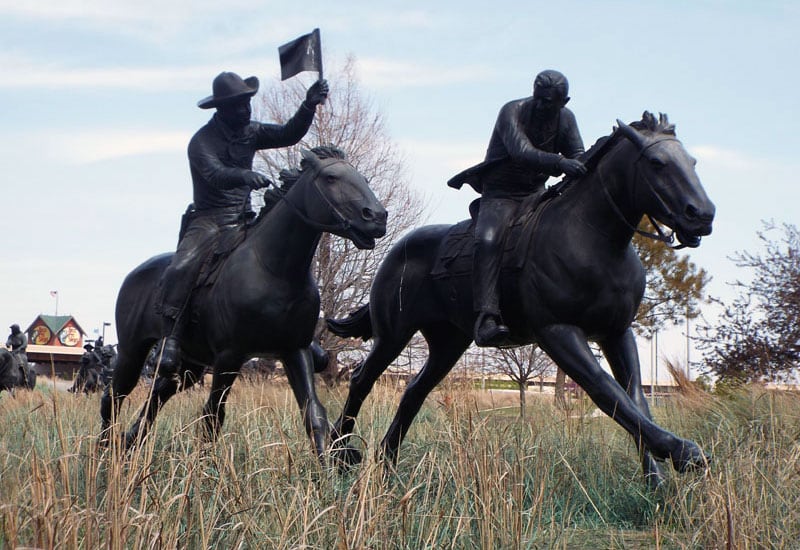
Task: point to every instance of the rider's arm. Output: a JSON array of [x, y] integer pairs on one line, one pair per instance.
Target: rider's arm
[[510, 128], [204, 159], [570, 141], [271, 136]]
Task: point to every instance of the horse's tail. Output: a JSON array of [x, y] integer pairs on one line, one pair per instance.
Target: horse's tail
[[356, 325]]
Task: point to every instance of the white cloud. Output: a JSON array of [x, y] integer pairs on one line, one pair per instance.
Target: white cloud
[[732, 159], [114, 11], [22, 72], [384, 73], [105, 144]]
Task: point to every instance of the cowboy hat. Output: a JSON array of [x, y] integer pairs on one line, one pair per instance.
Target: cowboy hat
[[229, 86]]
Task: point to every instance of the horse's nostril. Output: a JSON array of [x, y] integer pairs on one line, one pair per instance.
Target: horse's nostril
[[372, 216], [691, 211]]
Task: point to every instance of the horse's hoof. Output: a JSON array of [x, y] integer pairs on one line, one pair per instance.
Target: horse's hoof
[[689, 456], [654, 476], [345, 456]]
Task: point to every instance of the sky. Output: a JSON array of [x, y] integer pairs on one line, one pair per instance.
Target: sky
[[98, 102]]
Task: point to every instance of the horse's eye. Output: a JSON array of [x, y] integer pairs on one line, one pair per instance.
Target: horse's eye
[[657, 163], [330, 178]]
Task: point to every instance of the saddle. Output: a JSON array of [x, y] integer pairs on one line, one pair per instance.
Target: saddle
[[454, 257]]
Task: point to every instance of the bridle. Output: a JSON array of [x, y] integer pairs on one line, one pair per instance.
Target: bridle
[[342, 224], [659, 235]]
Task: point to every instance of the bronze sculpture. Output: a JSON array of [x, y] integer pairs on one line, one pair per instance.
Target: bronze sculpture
[[534, 138], [18, 343], [221, 161], [262, 300], [12, 373], [573, 276]]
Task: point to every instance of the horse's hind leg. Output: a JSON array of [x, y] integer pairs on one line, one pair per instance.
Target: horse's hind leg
[[166, 384], [384, 351], [623, 357], [445, 345], [127, 369]]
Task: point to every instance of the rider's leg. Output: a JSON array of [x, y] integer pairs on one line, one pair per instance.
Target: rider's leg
[[493, 218], [177, 283]]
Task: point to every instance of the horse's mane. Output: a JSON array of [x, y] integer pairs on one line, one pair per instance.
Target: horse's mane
[[604, 144], [289, 176]]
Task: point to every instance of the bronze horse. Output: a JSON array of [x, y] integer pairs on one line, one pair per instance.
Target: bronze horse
[[12, 375], [580, 279], [265, 300]]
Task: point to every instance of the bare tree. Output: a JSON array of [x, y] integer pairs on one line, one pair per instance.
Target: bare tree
[[349, 121], [757, 337], [522, 365]]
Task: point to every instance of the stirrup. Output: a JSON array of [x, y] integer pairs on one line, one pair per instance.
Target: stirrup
[[489, 332]]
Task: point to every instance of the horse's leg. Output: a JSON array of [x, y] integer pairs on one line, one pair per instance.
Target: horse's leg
[[567, 346], [226, 369], [166, 384], [127, 369], [623, 356], [445, 345], [384, 351], [299, 368]]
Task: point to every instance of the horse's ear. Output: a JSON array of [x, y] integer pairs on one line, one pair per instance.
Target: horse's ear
[[629, 132], [310, 158]]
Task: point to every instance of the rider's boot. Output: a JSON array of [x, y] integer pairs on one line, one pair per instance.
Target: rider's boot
[[489, 330], [168, 353]]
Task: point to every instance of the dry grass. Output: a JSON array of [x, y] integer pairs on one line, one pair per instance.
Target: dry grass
[[466, 478]]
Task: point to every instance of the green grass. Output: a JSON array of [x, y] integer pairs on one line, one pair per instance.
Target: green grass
[[466, 478]]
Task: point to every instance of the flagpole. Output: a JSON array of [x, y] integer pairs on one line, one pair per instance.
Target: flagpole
[[56, 304]]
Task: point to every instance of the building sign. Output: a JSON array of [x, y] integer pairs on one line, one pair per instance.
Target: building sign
[[69, 336], [40, 335]]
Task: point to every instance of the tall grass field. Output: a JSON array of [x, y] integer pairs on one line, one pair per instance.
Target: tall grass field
[[471, 474]]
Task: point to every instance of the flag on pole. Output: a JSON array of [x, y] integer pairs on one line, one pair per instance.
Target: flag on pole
[[301, 54], [53, 293]]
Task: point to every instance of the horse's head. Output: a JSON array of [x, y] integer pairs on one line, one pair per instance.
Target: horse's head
[[337, 198], [664, 172]]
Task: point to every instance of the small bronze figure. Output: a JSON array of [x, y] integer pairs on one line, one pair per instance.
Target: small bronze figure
[[534, 138], [221, 161], [18, 343], [14, 368]]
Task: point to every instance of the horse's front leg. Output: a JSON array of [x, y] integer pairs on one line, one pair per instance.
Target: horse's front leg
[[226, 369], [623, 357], [567, 346], [299, 366]]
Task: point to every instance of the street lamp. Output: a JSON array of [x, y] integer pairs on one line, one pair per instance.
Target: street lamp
[[105, 324]]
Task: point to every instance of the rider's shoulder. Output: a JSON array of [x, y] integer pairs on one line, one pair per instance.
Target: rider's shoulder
[[515, 105]]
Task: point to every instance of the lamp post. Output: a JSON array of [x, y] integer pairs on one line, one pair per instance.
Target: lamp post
[[105, 324]]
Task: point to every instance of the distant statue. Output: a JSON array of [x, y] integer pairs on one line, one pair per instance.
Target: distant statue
[[221, 162], [534, 138], [96, 368], [17, 342], [14, 368]]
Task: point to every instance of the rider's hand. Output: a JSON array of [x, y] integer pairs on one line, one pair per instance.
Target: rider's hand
[[254, 180], [317, 93], [571, 167]]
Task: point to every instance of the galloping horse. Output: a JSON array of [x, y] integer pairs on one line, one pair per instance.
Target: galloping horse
[[265, 300], [580, 279], [12, 375]]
